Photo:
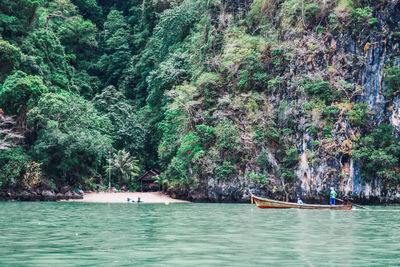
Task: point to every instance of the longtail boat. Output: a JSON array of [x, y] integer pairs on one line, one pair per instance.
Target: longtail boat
[[265, 203]]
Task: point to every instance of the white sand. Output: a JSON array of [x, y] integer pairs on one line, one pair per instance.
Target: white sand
[[146, 197]]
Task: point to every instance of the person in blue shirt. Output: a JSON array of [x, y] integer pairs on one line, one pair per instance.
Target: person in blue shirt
[[333, 196], [299, 201]]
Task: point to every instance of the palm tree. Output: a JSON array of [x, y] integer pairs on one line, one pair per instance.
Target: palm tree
[[124, 166], [162, 181]]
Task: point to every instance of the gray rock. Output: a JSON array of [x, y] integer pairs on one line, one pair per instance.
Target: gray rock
[[68, 195], [25, 195], [48, 195], [76, 196], [64, 189]]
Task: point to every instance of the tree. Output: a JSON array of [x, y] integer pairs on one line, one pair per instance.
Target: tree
[[19, 91], [12, 162], [117, 39], [77, 35], [16, 16], [162, 181], [10, 58], [379, 156], [124, 166], [130, 129], [45, 56], [71, 138], [90, 10]]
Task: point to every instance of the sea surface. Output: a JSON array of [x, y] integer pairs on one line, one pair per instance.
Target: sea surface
[[87, 234]]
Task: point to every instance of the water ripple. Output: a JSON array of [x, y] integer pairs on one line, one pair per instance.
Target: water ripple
[[71, 234]]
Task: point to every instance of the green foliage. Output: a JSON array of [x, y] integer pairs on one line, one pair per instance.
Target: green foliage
[[328, 130], [172, 130], [362, 17], [178, 20], [12, 164], [189, 148], [345, 4], [21, 91], [117, 51], [45, 57], [16, 16], [379, 156], [125, 167], [90, 10], [307, 12], [162, 181], [72, 138], [177, 121], [242, 59], [209, 84], [311, 10], [290, 158], [392, 80], [176, 68], [359, 114], [180, 167], [129, 127], [312, 130], [260, 179], [10, 58], [263, 160], [227, 134], [257, 9], [208, 80], [273, 132], [274, 83], [330, 113], [76, 34], [225, 171], [207, 134], [319, 90]]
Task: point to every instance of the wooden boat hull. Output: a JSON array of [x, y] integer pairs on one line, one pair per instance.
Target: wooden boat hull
[[265, 203]]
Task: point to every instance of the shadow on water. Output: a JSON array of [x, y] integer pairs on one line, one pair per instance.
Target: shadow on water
[[85, 234]]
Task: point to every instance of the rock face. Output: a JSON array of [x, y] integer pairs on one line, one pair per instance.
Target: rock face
[[39, 195], [357, 58], [375, 50]]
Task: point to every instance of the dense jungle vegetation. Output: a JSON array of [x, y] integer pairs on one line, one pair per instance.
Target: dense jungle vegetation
[[199, 89]]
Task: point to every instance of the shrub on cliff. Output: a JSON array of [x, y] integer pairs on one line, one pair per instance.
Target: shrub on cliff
[[379, 156], [362, 18], [12, 164], [319, 90], [392, 81], [359, 114]]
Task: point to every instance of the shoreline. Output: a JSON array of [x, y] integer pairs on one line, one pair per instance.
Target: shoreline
[[145, 197]]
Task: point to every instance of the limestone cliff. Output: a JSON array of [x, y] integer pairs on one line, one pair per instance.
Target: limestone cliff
[[296, 114]]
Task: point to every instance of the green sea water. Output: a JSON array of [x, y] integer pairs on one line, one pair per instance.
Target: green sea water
[[86, 234]]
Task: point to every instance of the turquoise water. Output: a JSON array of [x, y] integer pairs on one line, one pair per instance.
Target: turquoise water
[[86, 234]]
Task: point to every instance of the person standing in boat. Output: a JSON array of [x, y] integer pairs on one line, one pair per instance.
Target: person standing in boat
[[299, 201], [333, 196]]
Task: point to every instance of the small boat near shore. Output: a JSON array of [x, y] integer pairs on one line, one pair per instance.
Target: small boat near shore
[[265, 203]]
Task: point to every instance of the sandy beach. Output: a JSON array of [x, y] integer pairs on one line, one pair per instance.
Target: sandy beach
[[146, 197]]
